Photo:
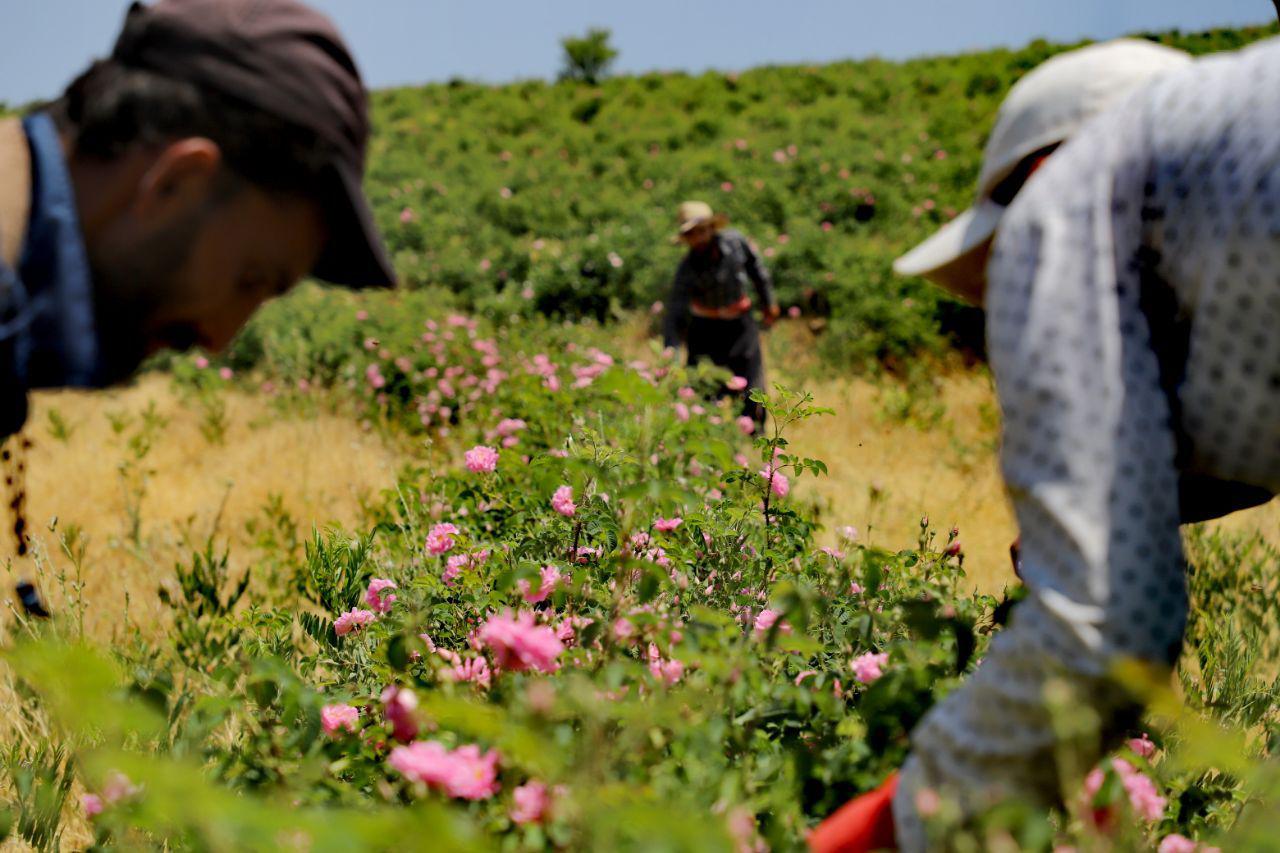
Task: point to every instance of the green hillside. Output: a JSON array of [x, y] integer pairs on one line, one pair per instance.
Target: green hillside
[[567, 192]]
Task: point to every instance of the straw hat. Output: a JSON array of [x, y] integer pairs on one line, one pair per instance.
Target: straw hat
[[691, 214], [1044, 108]]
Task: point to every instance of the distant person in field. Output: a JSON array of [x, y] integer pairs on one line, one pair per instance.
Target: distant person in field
[[213, 160], [1132, 299], [710, 302]]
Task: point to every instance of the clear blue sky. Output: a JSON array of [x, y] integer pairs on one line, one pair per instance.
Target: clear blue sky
[[43, 43]]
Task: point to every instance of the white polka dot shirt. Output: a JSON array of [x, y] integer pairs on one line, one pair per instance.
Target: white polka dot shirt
[[1134, 332]]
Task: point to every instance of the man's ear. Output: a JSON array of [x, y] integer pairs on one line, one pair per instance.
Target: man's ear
[[180, 178]]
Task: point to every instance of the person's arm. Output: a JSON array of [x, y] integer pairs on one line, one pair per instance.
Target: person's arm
[[677, 309], [1089, 460], [763, 282]]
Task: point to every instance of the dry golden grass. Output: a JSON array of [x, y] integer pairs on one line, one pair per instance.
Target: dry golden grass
[[321, 467], [885, 473]]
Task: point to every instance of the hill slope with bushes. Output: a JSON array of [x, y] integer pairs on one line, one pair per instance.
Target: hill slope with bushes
[[559, 197]]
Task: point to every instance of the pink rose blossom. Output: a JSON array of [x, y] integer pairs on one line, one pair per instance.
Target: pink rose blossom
[[118, 787], [201, 362], [399, 705], [666, 525], [336, 717], [463, 773], [531, 803], [474, 776], [440, 538], [808, 673], [737, 383], [1176, 844], [562, 501], [766, 620], [92, 804], [473, 670], [1180, 844], [225, 372], [550, 580], [623, 630], [746, 424], [1141, 790], [1142, 746], [517, 644], [376, 595], [353, 620], [481, 459], [668, 671], [778, 482], [869, 666]]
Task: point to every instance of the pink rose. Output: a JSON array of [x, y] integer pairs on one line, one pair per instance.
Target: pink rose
[[666, 525], [399, 706], [531, 803], [517, 644], [336, 717], [778, 482], [353, 620], [562, 501], [1142, 746], [464, 773], [377, 597], [549, 581], [481, 459], [766, 620], [92, 804], [1176, 844], [473, 670], [440, 538], [869, 666]]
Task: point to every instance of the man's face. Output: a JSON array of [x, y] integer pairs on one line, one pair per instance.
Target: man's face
[[191, 269], [253, 247], [699, 236]]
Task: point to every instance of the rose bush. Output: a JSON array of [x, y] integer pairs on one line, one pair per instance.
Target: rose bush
[[616, 631]]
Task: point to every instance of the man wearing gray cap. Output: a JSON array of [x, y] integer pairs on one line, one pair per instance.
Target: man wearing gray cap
[[1132, 303], [991, 738], [213, 160]]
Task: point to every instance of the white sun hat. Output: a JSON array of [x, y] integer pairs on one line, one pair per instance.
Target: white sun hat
[[1042, 109]]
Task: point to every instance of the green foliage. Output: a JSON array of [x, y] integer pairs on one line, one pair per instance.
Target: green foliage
[[41, 778], [587, 59], [707, 694], [713, 680], [59, 428], [555, 199]]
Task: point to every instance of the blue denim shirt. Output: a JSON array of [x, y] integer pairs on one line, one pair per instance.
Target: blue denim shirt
[[47, 333]]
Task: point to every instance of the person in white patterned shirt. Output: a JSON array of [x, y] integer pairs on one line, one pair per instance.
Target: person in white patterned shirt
[[1133, 297], [1124, 291]]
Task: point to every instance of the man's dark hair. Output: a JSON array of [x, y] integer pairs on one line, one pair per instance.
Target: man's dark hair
[[110, 108]]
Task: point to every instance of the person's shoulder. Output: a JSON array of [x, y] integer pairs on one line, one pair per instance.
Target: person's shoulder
[[733, 235], [15, 188]]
